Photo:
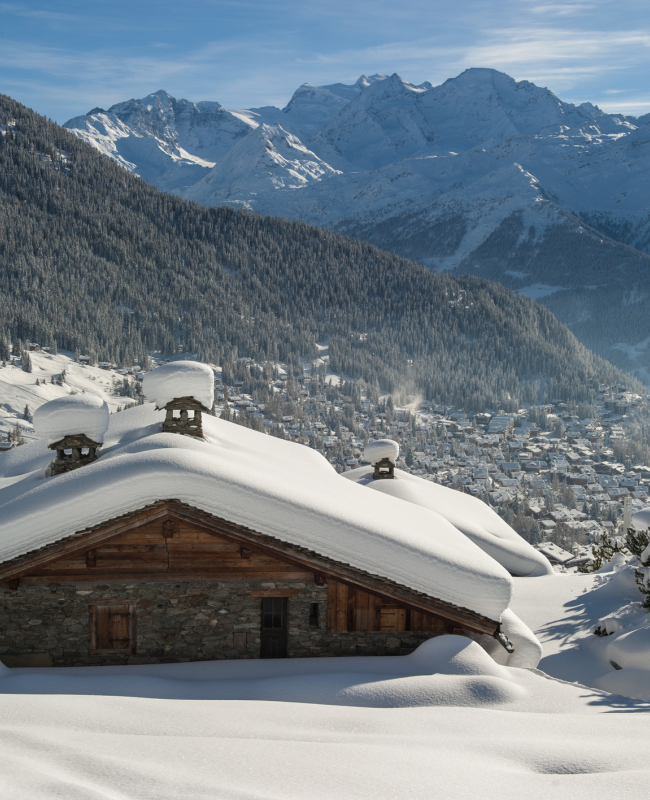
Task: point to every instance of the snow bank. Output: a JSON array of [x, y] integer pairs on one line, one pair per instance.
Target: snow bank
[[641, 519], [627, 682], [445, 670], [528, 649], [381, 448], [277, 487], [466, 513], [79, 413], [180, 379], [631, 650], [158, 749]]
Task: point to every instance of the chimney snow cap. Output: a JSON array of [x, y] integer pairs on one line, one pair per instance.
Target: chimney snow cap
[[72, 415], [180, 379], [379, 449]]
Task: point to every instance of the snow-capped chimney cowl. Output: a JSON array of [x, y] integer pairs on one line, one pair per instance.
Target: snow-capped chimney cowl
[[181, 388], [382, 454], [74, 426]]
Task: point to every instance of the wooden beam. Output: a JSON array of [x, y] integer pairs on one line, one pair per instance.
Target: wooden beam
[[274, 593], [82, 540]]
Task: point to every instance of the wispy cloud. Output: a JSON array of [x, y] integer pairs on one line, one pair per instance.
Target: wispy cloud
[[246, 52]]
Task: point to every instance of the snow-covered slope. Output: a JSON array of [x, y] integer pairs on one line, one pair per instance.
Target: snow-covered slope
[[58, 376], [269, 158]]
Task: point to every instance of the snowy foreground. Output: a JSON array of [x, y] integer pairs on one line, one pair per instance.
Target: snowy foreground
[[446, 721]]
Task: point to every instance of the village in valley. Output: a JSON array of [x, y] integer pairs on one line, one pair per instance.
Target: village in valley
[[559, 474]]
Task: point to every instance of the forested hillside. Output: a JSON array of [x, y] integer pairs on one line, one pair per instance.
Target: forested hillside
[[94, 258]]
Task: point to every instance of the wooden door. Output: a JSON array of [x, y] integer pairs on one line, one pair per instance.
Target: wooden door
[[274, 632], [112, 628]]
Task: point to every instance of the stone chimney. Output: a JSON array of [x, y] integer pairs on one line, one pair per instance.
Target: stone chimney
[[72, 452], [73, 426], [178, 419], [382, 454], [184, 389]]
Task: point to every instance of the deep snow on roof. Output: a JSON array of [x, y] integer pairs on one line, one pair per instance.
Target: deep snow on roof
[[468, 514], [180, 379], [276, 487], [72, 414]]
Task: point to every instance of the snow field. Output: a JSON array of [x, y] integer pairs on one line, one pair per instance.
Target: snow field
[[564, 611], [545, 739], [18, 389]]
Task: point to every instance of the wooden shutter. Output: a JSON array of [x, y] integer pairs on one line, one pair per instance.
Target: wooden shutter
[[392, 618], [112, 628]]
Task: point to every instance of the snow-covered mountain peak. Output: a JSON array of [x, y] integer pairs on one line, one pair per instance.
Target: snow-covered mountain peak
[[270, 158], [382, 124], [367, 80], [166, 141], [312, 106], [483, 104]]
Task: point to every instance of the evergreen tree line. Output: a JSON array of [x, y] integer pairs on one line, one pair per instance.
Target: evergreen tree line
[[94, 259]]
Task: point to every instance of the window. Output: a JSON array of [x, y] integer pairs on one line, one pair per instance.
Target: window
[[112, 628], [313, 615]]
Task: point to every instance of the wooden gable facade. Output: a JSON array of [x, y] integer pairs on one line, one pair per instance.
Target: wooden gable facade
[[173, 583]]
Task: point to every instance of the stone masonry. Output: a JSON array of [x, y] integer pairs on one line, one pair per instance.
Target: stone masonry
[[194, 620]]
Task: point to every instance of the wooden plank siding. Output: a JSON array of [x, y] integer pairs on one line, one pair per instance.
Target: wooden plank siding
[[352, 610], [147, 552]]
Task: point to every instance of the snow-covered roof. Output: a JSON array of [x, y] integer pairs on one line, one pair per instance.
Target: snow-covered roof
[[180, 379], [467, 514], [72, 414], [278, 488]]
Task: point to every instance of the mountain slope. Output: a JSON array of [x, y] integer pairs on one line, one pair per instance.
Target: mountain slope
[[435, 173], [95, 258]]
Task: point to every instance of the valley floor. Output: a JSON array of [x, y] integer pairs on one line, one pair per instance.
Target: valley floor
[[444, 721]]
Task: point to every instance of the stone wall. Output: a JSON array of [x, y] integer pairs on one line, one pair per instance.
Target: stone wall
[[176, 621]]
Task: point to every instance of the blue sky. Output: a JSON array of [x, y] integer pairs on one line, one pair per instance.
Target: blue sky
[[64, 57]]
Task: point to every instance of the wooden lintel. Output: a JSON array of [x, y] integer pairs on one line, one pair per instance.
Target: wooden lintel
[[274, 593]]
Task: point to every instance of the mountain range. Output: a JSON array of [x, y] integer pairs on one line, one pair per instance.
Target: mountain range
[[480, 175], [94, 258]]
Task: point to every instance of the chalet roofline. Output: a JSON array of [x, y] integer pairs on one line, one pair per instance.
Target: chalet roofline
[[88, 538]]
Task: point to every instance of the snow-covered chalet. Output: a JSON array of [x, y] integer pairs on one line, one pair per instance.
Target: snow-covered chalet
[[123, 541]]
